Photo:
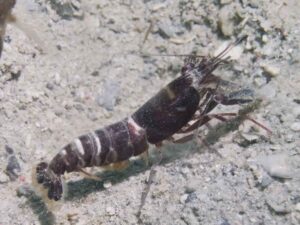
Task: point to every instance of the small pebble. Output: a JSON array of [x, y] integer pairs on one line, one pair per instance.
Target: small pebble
[[262, 177], [275, 147], [180, 41], [92, 116], [57, 78], [189, 189], [224, 222], [234, 53], [9, 150], [28, 140], [95, 73], [297, 207], [183, 198], [35, 95], [276, 165], [266, 25], [248, 46], [37, 124], [79, 107], [289, 138], [270, 69], [260, 81], [50, 86], [158, 6], [3, 178], [264, 38], [250, 137], [268, 91], [108, 95], [225, 22], [225, 2], [110, 211], [166, 30], [107, 184], [58, 112], [279, 208], [185, 171], [296, 111], [265, 181], [191, 197], [295, 126]]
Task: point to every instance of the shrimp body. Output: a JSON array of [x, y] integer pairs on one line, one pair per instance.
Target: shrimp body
[[196, 91]]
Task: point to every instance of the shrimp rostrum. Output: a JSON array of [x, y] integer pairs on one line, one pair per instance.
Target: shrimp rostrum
[[192, 95]]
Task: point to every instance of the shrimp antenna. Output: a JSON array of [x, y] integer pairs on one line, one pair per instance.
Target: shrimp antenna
[[172, 55]]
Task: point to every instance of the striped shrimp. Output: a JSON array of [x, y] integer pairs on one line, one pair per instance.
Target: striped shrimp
[[187, 98]]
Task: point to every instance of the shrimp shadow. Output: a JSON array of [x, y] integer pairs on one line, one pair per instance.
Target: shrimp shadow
[[37, 204], [171, 152]]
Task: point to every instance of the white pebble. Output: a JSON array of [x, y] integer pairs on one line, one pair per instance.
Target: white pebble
[[183, 198], [110, 211], [185, 170], [234, 53], [266, 25], [264, 38], [275, 147], [297, 207], [3, 178], [270, 69], [107, 184], [158, 6], [248, 46], [295, 126], [225, 23], [250, 137]]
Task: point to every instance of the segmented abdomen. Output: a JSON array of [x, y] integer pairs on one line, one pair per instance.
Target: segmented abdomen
[[111, 144]]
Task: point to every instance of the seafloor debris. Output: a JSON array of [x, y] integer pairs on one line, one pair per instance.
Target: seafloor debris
[[13, 167], [67, 8]]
